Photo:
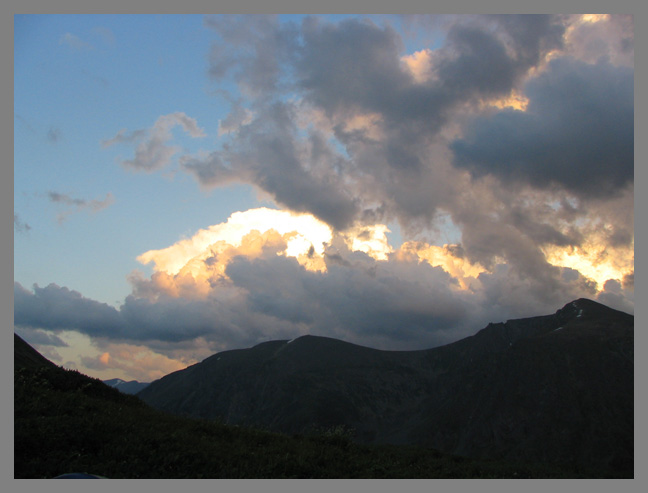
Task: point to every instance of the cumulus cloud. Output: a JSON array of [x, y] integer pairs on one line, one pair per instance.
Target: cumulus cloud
[[358, 136], [234, 286], [338, 120], [512, 134]]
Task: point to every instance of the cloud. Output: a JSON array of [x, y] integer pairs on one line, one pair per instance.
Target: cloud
[[138, 362], [54, 135], [331, 120], [268, 153], [124, 137], [592, 38], [403, 303], [79, 204], [253, 49], [40, 337], [617, 295], [299, 232], [338, 120], [153, 153], [576, 133], [233, 285], [378, 304], [500, 146], [58, 308], [74, 42], [19, 225]]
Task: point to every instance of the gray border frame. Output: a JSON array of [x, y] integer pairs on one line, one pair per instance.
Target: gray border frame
[[8, 9]]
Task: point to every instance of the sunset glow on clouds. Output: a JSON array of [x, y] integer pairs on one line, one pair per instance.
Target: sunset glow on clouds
[[339, 178], [300, 232]]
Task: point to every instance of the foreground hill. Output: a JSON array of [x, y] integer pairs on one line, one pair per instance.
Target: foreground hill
[[555, 388], [66, 422]]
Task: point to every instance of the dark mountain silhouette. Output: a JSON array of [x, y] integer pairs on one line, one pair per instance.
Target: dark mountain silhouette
[[130, 387], [26, 356], [555, 388], [69, 425]]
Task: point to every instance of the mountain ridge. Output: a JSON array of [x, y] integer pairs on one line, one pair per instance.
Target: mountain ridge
[[525, 388], [127, 387]]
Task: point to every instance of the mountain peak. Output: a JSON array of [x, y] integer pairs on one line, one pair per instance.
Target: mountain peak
[[585, 309]]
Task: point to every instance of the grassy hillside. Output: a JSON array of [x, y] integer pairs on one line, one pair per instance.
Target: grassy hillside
[[67, 422]]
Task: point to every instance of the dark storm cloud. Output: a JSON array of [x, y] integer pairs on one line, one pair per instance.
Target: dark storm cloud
[[577, 132]]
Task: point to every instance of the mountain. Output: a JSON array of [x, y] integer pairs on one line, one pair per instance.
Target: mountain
[[130, 387], [26, 356], [557, 388], [67, 424]]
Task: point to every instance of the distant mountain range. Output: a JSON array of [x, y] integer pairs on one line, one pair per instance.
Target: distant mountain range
[[556, 389], [130, 387]]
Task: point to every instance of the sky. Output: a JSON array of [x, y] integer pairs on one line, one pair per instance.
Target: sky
[[185, 185]]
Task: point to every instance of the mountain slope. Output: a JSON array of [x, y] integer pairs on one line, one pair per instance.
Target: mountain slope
[[130, 387], [67, 422], [26, 356], [556, 388]]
